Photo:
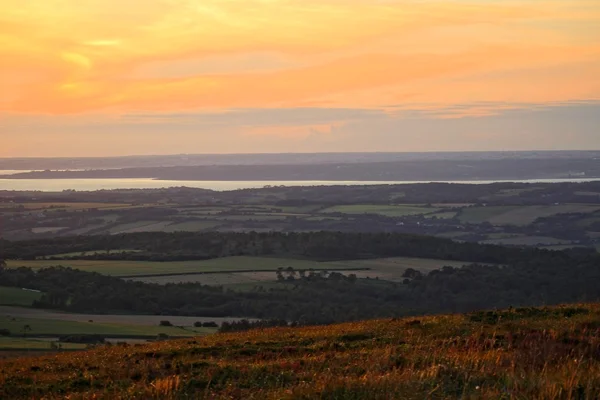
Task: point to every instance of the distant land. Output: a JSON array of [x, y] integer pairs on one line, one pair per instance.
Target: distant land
[[62, 163], [318, 167]]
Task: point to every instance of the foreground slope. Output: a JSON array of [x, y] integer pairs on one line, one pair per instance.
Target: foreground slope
[[529, 353]]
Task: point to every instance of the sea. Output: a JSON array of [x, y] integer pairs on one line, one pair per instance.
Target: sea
[[59, 185]]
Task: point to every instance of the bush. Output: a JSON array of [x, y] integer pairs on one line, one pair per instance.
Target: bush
[[4, 332], [165, 323], [86, 339], [210, 324]]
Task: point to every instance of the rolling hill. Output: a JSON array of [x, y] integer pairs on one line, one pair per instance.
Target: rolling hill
[[522, 353]]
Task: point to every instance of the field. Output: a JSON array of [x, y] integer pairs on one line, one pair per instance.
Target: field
[[220, 279], [544, 353], [140, 226], [388, 211], [11, 296], [242, 270], [528, 241], [54, 327], [14, 344], [66, 205], [391, 269], [85, 253], [134, 323], [520, 215], [133, 268]]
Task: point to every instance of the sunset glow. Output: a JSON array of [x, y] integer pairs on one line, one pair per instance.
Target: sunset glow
[[100, 77]]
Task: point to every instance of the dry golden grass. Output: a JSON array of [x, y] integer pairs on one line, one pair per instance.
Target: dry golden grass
[[551, 353]]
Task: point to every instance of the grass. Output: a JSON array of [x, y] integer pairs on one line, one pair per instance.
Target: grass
[[46, 327], [132, 268], [48, 229], [140, 226], [443, 215], [13, 343], [392, 268], [239, 270], [520, 215], [222, 279], [85, 253], [63, 205], [546, 353], [11, 296], [528, 241], [191, 226], [385, 210]]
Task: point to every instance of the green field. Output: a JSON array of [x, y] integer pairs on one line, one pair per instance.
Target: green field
[[65, 205], [244, 268], [13, 343], [11, 296], [520, 215], [528, 241], [392, 268], [86, 253], [131, 268], [39, 326], [191, 226], [385, 210], [443, 215]]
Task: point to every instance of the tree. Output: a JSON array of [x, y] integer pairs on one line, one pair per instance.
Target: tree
[[2, 264], [25, 329]]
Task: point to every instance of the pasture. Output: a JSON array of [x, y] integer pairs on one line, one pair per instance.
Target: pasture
[[21, 343], [191, 226], [401, 210], [528, 241], [12, 296], [520, 215], [241, 270], [48, 327], [86, 253], [64, 205], [133, 268], [391, 269], [45, 323]]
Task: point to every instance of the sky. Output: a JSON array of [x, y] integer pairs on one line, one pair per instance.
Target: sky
[[126, 77]]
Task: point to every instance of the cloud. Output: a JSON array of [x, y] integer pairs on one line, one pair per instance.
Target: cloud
[[295, 69]]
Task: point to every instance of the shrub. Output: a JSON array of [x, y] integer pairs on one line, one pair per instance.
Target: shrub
[[165, 323]]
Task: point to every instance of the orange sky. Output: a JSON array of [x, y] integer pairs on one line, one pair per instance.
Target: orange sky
[[107, 77]]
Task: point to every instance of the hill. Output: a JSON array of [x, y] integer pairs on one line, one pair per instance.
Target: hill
[[533, 353]]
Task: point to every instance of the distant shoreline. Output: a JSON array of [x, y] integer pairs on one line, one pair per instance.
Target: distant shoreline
[[58, 185]]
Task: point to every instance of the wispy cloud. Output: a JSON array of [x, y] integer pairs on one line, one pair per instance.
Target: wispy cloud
[[217, 63]]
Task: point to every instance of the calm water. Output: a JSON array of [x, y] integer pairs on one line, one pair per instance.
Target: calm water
[[57, 185]]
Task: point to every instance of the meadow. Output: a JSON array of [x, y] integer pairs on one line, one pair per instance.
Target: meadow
[[523, 353], [40, 327], [520, 215], [20, 316], [241, 269], [11, 296], [25, 344], [400, 210], [136, 268]]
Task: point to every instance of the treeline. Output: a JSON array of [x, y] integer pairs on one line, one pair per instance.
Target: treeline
[[181, 246], [415, 193], [542, 279]]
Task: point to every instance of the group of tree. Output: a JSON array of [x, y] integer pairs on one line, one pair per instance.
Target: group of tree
[[521, 278], [324, 245]]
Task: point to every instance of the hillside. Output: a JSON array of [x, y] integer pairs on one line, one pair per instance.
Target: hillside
[[528, 353]]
